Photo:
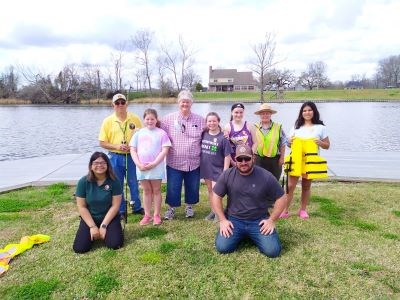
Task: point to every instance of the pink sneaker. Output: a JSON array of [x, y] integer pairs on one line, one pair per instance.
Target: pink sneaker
[[284, 215], [146, 220], [157, 220], [303, 214]]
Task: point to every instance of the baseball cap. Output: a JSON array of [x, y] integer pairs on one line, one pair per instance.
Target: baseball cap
[[117, 97], [244, 150]]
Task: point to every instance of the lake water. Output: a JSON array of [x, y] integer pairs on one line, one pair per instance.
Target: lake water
[[32, 131]]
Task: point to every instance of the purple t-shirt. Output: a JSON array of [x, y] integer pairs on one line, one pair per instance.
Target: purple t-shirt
[[214, 149]]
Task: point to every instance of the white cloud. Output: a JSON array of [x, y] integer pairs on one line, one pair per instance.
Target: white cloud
[[350, 36]]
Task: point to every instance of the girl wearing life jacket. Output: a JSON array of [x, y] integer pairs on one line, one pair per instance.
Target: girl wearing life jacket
[[238, 131], [308, 126], [270, 142]]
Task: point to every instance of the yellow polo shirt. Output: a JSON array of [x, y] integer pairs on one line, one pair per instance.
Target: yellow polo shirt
[[113, 131]]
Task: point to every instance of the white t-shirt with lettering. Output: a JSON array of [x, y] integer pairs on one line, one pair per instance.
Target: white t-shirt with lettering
[[308, 132]]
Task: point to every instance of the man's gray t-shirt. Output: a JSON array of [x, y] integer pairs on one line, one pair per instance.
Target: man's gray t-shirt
[[249, 197]]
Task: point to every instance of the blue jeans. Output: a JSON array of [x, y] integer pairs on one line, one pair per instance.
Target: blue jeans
[[268, 245], [174, 186], [118, 164]]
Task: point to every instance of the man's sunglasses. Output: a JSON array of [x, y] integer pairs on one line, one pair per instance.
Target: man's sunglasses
[[120, 102], [243, 158]]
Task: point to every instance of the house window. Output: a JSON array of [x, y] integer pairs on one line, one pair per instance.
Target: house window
[[237, 87], [230, 80], [251, 87], [215, 80]]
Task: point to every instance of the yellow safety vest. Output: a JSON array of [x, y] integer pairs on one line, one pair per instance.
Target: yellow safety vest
[[267, 145]]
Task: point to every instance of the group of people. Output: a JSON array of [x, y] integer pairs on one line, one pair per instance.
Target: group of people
[[241, 160]]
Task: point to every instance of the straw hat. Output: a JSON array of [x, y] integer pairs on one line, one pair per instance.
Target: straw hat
[[265, 107]]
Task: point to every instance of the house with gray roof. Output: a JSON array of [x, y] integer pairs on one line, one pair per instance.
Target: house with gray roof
[[228, 80]]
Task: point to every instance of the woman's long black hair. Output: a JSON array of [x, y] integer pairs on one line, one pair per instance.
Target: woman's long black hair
[[315, 119], [109, 172]]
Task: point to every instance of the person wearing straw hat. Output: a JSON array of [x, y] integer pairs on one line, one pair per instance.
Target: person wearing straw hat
[[270, 142]]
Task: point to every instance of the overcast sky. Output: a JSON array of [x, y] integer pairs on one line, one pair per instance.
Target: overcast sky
[[350, 36]]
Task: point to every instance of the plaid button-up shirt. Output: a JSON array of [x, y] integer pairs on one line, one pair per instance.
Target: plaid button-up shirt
[[185, 135]]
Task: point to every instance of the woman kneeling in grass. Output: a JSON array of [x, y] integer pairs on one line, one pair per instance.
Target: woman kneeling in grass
[[98, 196]]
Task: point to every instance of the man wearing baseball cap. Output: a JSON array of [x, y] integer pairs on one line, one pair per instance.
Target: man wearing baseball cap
[[115, 135], [251, 191]]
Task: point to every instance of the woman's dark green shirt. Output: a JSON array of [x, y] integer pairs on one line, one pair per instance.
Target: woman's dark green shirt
[[98, 198]]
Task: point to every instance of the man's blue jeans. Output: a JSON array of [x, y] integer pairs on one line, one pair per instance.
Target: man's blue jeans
[[268, 245], [174, 186], [118, 164]]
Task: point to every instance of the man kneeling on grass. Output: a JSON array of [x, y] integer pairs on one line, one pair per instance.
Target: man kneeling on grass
[[251, 191]]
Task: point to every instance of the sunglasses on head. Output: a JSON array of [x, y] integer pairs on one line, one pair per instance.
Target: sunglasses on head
[[120, 102], [243, 158]]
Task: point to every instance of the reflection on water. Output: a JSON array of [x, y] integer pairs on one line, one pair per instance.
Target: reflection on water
[[30, 131]]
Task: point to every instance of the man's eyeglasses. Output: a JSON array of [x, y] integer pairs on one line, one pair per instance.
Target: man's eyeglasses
[[243, 158], [101, 163], [120, 102]]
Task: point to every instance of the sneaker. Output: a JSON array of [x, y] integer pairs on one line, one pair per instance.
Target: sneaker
[[303, 214], [122, 216], [210, 216], [146, 220], [284, 215], [169, 214], [138, 212], [189, 211], [157, 220]]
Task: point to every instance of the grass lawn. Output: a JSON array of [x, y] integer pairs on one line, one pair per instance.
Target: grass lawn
[[349, 248], [325, 95]]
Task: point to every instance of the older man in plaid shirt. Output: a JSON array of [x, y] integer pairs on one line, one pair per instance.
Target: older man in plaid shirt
[[184, 129]]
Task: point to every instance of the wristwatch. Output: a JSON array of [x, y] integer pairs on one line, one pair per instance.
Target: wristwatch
[[104, 226]]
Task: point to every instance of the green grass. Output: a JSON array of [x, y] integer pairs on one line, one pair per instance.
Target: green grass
[[349, 95], [347, 249], [33, 198]]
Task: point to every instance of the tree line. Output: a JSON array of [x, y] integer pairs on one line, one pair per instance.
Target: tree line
[[163, 69], [263, 63]]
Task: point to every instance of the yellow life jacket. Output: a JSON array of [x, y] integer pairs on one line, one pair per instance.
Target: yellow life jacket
[[304, 160], [267, 145], [11, 250]]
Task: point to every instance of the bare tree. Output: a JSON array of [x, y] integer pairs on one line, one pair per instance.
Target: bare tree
[[40, 85], [179, 62], [67, 84], [91, 81], [280, 78], [263, 60], [141, 41], [116, 59], [190, 79], [9, 83], [314, 76], [389, 71]]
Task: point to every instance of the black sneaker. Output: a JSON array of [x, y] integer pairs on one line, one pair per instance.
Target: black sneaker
[[138, 212]]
